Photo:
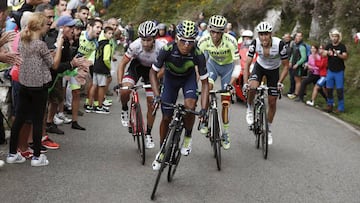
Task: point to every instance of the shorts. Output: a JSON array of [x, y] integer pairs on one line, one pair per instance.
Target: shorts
[[99, 79], [300, 71], [171, 87], [224, 71], [136, 71], [272, 78], [74, 84], [57, 93], [321, 82]]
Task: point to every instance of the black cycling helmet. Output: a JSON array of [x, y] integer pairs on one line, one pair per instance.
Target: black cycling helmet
[[187, 29], [147, 29]]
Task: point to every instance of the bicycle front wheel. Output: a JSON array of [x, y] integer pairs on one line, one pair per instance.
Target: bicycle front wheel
[[264, 130], [215, 131], [175, 155], [256, 126], [140, 137]]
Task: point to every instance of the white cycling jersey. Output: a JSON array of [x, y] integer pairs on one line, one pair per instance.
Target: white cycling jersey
[[276, 54], [146, 59]]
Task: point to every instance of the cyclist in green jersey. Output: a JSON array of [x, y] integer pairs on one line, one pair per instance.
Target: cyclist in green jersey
[[223, 60]]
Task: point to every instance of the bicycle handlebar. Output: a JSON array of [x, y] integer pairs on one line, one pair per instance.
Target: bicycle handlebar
[[179, 107], [135, 87]]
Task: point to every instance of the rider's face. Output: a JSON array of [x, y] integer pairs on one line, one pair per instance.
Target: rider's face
[[147, 43], [185, 45], [216, 36], [265, 38]]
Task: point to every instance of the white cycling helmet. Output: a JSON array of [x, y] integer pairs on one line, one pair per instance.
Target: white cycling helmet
[[147, 29], [247, 33], [217, 23], [264, 27]]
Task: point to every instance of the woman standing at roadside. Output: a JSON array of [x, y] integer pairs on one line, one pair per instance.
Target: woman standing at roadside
[[34, 77]]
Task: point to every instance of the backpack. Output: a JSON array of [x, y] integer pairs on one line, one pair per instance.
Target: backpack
[[308, 50]]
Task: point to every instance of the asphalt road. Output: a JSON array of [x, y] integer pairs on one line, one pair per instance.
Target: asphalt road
[[314, 158]]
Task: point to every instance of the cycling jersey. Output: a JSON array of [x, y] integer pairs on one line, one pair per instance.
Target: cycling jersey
[[276, 54], [181, 65], [223, 54], [145, 58]]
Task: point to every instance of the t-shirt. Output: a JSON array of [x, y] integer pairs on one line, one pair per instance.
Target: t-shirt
[[75, 4], [335, 63], [178, 64], [87, 47], [223, 54]]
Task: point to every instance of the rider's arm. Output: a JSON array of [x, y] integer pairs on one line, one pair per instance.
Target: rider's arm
[[236, 72], [285, 65], [204, 93], [121, 67], [154, 81], [250, 56]]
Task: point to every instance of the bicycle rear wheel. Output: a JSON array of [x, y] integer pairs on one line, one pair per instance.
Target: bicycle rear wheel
[[264, 129], [140, 137], [175, 155], [215, 131]]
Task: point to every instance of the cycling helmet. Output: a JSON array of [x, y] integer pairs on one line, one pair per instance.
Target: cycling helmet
[[217, 23], [264, 27], [187, 29], [247, 33], [147, 29], [161, 26]]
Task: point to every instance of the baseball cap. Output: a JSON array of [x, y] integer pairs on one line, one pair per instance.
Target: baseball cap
[[66, 21]]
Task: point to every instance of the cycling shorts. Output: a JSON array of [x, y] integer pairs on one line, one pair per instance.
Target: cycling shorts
[[224, 71], [171, 87], [272, 78], [136, 71]]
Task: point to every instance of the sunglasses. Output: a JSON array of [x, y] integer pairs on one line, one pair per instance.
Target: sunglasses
[[187, 42]]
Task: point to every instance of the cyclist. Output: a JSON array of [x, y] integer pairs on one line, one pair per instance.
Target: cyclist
[[180, 58], [221, 51], [163, 35], [142, 53], [271, 54]]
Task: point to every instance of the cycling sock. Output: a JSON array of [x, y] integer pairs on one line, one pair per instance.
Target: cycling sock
[[188, 133], [269, 126], [226, 127], [86, 101], [148, 130], [125, 108], [249, 107]]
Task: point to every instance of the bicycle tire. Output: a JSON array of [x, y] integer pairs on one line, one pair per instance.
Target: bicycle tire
[[175, 155], [164, 163], [217, 138], [256, 127], [140, 135], [264, 131], [131, 125]]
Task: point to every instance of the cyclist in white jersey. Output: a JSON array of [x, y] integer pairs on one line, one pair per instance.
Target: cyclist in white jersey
[[271, 54], [142, 53], [223, 59]]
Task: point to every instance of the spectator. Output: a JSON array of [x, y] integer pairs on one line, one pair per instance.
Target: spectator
[[320, 84], [171, 31], [229, 30], [162, 34], [83, 14], [337, 54], [297, 61], [314, 72], [34, 77], [130, 34], [202, 31], [73, 5]]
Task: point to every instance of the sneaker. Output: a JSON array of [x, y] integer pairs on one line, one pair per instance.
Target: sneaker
[[27, 154], [186, 148], [203, 128], [156, 164], [39, 161], [149, 143], [52, 128], [48, 143], [2, 163], [43, 149], [75, 125], [101, 110], [107, 102], [125, 118], [225, 141], [329, 108], [15, 158], [270, 139], [291, 96], [249, 117], [57, 120], [310, 103], [89, 109], [62, 116]]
